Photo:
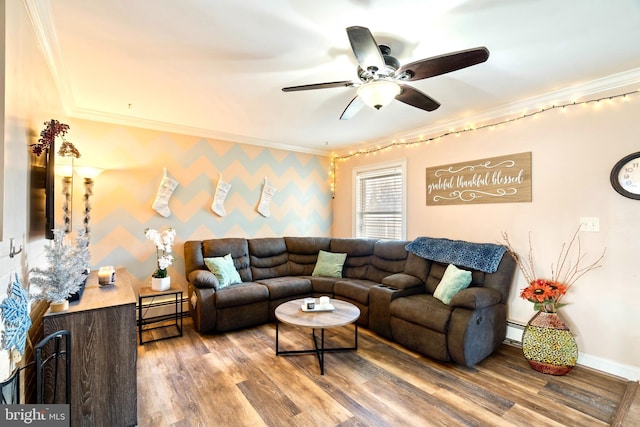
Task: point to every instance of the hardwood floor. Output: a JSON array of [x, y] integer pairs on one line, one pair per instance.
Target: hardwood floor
[[235, 379]]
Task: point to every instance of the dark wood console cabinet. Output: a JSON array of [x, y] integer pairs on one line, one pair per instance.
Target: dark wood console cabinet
[[103, 352]]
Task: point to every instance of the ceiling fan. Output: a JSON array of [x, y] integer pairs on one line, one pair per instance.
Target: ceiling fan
[[381, 75]]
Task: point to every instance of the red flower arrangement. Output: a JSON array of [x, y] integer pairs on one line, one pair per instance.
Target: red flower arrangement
[[545, 294]]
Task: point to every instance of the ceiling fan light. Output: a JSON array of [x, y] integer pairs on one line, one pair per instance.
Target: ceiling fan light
[[378, 93]]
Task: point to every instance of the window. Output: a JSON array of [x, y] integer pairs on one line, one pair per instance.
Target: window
[[380, 201]]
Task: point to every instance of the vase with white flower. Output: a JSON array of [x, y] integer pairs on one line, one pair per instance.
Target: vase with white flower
[[163, 240], [547, 343]]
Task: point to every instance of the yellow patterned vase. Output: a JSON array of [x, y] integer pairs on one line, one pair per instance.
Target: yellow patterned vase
[[549, 345]]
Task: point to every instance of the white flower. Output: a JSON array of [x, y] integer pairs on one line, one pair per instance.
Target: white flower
[[164, 246], [165, 261]]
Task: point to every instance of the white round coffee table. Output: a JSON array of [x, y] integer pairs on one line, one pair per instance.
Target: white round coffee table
[[291, 313]]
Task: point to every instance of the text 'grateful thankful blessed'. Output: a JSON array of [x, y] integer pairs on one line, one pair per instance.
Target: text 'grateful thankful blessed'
[[505, 179]]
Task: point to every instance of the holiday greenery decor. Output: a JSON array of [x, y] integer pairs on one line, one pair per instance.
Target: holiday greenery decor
[[53, 129], [164, 242], [66, 268]]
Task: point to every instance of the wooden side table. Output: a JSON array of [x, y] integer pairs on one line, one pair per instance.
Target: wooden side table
[[148, 293]]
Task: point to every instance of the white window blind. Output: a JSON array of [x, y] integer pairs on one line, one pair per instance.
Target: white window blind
[[380, 203]]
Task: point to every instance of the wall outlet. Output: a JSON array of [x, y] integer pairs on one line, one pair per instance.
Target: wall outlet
[[590, 223]]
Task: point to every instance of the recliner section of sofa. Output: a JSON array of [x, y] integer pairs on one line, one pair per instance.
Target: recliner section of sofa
[[235, 307], [373, 260], [392, 288], [468, 329]]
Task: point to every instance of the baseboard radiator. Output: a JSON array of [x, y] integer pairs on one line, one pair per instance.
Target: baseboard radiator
[[514, 333], [165, 309]]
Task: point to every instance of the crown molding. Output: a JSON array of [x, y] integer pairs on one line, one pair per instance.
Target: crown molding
[[118, 119], [40, 15]]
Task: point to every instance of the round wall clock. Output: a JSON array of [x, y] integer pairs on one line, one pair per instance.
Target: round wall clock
[[625, 176]]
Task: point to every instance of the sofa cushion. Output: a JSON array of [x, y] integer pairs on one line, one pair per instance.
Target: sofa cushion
[[389, 257], [237, 247], [435, 275], [354, 289], [224, 270], [241, 294], [329, 264], [323, 285], [303, 253], [269, 257], [453, 281], [287, 286], [359, 253], [424, 310], [418, 267]]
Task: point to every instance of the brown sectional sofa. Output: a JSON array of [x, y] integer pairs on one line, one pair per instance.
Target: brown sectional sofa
[[392, 287]]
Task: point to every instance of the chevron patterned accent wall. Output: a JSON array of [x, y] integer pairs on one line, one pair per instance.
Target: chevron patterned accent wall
[[133, 160]]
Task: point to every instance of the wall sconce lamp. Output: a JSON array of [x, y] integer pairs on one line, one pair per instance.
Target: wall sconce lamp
[[67, 183], [378, 93], [89, 173], [66, 171]]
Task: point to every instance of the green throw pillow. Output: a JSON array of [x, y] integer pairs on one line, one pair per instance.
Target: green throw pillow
[[329, 264], [453, 281], [224, 270]]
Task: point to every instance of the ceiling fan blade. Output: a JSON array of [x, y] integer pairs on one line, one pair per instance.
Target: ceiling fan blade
[[442, 64], [416, 98], [346, 83], [365, 49], [352, 109]]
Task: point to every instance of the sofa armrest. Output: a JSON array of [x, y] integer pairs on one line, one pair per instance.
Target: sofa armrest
[[202, 308], [402, 281], [474, 298], [203, 279]]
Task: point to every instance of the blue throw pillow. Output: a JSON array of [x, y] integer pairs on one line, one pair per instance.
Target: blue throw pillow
[[453, 281], [224, 270]]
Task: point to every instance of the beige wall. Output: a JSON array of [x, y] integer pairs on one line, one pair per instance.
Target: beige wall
[[572, 156]]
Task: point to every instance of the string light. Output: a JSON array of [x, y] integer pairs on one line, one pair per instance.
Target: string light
[[625, 97]]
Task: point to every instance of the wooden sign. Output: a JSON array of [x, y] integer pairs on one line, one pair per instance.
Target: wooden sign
[[505, 179]]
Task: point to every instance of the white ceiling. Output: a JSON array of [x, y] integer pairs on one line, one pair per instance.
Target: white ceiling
[[215, 68]]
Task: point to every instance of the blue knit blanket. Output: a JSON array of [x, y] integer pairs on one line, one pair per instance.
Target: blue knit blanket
[[479, 256]]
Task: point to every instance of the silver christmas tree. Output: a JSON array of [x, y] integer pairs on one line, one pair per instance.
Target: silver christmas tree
[[66, 267]]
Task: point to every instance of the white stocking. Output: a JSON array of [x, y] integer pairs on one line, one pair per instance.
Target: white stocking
[[268, 191], [222, 189], [165, 190]]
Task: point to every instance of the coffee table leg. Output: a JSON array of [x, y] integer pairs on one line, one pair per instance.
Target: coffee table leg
[[322, 353], [319, 350], [355, 347]]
